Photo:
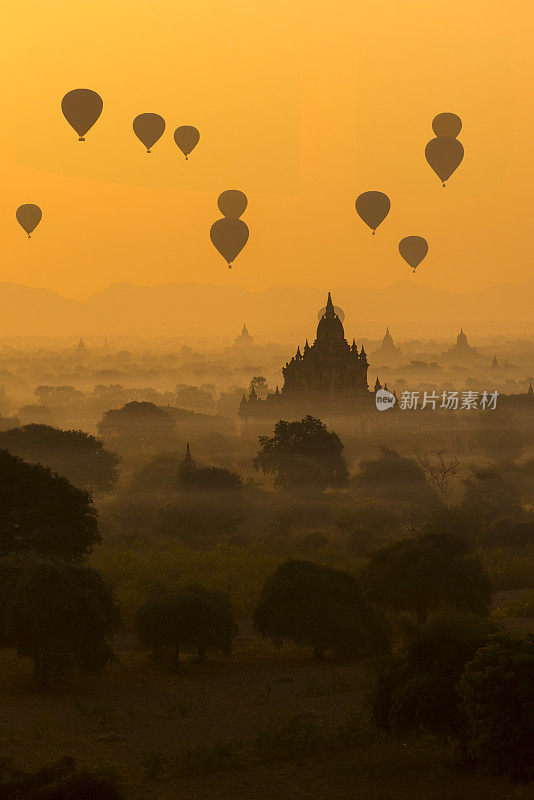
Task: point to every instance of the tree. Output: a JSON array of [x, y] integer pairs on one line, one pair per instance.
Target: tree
[[211, 479], [322, 608], [492, 492], [43, 512], [461, 519], [77, 455], [195, 619], [195, 398], [302, 453], [498, 692], [138, 425], [57, 614], [41, 415], [394, 477], [439, 472], [160, 474], [416, 690], [423, 572]]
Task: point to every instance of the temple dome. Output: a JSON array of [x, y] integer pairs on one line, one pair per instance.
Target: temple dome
[[330, 327]]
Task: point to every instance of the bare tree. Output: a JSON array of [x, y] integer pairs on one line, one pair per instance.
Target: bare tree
[[439, 471]]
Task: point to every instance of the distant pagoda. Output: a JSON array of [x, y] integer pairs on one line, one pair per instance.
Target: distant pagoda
[[461, 351], [243, 344], [388, 348]]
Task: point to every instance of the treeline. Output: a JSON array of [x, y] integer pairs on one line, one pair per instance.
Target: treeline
[[455, 674]]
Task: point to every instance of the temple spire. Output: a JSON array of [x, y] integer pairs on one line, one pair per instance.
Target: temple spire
[[329, 311], [188, 465]]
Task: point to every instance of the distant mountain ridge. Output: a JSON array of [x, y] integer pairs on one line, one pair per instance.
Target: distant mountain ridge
[[278, 313]]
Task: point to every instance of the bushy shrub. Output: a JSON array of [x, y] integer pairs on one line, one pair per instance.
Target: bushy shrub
[[43, 512], [59, 615], [416, 690], [194, 619], [322, 608], [497, 688], [421, 573]]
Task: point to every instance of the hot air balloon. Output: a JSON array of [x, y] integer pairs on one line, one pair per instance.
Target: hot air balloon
[[232, 203], [229, 236], [373, 208], [186, 137], [413, 249], [149, 128], [447, 124], [81, 108], [29, 217], [444, 155]]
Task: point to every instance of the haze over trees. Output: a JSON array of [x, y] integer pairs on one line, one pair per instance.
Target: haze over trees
[[76, 455], [137, 425]]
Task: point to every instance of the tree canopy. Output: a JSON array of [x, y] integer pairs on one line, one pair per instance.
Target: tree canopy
[[58, 614], [424, 572], [139, 425], [498, 692], [77, 455], [391, 476], [302, 453], [322, 608], [43, 512], [195, 619], [417, 689]]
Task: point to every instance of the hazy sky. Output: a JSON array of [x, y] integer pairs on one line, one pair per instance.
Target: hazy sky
[[302, 105]]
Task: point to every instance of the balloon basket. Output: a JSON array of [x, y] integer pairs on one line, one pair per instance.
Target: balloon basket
[[81, 139], [374, 233]]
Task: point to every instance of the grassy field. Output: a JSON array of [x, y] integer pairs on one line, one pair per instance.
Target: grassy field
[[264, 724]]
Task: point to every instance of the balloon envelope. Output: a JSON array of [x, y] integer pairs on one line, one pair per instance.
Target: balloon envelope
[[186, 137], [149, 128], [444, 155], [229, 236], [447, 124], [413, 249], [81, 108], [232, 203], [29, 216], [373, 208]]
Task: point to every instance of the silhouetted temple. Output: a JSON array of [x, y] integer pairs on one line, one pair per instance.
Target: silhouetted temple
[[330, 376], [388, 348], [462, 350]]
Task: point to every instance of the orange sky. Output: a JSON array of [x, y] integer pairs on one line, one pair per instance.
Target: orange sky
[[302, 105]]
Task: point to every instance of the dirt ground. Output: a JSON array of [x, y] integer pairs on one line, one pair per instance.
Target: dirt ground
[[136, 719]]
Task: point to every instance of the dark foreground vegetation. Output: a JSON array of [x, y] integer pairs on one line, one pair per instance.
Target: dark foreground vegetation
[[214, 636]]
